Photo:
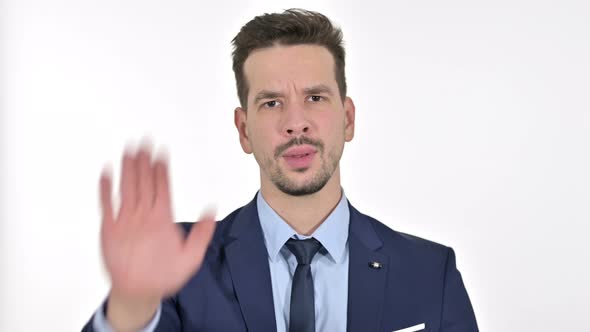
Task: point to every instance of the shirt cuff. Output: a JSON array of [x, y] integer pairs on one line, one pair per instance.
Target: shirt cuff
[[101, 324]]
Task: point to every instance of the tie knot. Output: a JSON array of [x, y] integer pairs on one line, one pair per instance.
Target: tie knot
[[304, 250]]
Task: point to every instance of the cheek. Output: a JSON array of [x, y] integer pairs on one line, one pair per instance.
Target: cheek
[[332, 127], [262, 139]]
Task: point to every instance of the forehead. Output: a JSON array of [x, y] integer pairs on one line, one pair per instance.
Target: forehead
[[283, 67]]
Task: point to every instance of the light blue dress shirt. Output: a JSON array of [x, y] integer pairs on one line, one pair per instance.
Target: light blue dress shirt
[[329, 269]]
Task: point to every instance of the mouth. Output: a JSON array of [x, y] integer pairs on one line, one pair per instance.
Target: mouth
[[300, 160], [299, 151], [298, 155]]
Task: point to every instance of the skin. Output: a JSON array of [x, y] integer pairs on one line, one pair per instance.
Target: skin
[[145, 253], [290, 113]]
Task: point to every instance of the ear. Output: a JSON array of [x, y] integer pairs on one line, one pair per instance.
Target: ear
[[348, 119], [240, 116]]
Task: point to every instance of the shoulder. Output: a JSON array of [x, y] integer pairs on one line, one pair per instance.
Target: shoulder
[[409, 247], [221, 229]]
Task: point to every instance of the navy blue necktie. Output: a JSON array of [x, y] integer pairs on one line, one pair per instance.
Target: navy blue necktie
[[302, 311]]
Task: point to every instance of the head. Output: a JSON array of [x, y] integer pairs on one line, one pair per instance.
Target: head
[[294, 115]]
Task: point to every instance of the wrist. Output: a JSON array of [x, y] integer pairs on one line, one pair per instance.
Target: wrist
[[128, 314]]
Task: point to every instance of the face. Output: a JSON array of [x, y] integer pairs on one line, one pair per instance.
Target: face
[[296, 122]]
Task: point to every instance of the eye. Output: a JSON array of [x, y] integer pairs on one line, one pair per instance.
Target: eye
[[271, 104], [316, 98]]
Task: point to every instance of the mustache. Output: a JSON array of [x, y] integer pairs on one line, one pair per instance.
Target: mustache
[[299, 141]]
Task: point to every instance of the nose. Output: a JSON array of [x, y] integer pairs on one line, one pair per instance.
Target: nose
[[296, 122], [297, 130]]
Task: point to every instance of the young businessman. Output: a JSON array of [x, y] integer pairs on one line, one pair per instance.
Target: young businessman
[[298, 257]]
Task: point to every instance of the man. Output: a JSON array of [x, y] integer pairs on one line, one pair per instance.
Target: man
[[298, 257]]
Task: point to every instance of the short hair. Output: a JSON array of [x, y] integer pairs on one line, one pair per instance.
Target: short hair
[[291, 27]]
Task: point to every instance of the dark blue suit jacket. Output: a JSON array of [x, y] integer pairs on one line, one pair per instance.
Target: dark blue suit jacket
[[418, 282]]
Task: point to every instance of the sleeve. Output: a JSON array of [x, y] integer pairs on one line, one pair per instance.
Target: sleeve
[[101, 324], [457, 312], [166, 319]]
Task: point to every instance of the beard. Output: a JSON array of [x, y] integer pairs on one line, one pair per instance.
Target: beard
[[285, 184]]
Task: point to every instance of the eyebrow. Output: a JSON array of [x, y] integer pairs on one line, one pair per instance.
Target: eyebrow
[[312, 90], [318, 90], [266, 94]]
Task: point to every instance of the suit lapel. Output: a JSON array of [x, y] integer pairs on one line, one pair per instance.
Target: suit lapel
[[366, 284], [248, 263]]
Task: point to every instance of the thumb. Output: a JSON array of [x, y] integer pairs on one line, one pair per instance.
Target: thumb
[[197, 242]]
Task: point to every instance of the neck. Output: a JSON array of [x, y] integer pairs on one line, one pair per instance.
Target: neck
[[304, 213]]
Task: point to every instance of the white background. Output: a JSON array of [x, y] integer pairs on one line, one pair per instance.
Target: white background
[[472, 130]]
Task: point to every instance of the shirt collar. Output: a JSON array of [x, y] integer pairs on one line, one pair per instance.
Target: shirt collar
[[332, 233]]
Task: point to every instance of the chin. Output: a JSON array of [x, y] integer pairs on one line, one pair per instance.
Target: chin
[[301, 191], [302, 187]]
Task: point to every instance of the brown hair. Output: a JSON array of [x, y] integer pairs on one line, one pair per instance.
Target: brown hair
[[291, 27]]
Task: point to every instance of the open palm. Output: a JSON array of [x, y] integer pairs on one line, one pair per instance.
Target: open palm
[[145, 252]]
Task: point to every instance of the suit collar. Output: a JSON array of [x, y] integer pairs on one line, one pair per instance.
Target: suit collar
[[366, 281], [361, 227], [248, 265], [247, 257], [244, 224], [332, 233]]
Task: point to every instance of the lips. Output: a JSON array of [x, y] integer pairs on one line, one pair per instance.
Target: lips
[[299, 151], [300, 157]]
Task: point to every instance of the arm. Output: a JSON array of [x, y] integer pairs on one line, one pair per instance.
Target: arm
[[457, 312], [165, 319], [148, 257], [99, 322]]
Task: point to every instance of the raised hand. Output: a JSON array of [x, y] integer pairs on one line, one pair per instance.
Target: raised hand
[[147, 256]]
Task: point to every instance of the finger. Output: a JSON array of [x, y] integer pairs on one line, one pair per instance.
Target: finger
[[106, 202], [162, 186], [128, 184], [195, 246], [145, 177]]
